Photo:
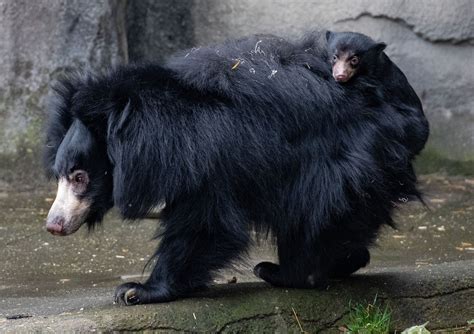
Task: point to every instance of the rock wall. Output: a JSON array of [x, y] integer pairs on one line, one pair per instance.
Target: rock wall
[[432, 41], [41, 39], [155, 29]]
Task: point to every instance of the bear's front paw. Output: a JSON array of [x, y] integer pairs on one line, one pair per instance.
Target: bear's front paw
[[137, 293], [129, 294]]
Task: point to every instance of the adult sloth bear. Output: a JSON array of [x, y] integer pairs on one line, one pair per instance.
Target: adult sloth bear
[[249, 134]]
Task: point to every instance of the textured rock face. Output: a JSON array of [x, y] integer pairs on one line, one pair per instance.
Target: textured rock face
[[156, 29], [433, 43], [39, 40]]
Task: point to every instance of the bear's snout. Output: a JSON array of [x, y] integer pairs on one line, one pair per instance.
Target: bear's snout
[[55, 225], [68, 211]]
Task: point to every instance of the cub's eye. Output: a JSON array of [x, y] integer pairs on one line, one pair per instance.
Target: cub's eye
[[334, 58], [354, 61]]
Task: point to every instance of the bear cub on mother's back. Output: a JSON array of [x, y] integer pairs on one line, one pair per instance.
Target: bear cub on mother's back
[[357, 59]]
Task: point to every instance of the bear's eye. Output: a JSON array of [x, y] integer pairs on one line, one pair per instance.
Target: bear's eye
[[334, 58], [354, 61], [79, 179]]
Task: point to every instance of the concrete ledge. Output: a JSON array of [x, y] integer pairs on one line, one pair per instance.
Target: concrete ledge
[[441, 294]]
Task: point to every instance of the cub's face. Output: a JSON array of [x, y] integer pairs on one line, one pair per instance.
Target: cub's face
[[344, 65], [84, 177], [351, 54]]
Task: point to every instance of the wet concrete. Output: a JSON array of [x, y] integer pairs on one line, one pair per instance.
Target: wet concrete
[[442, 293], [442, 232], [43, 275]]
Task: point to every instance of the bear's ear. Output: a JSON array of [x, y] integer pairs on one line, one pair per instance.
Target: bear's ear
[[328, 35], [379, 47]]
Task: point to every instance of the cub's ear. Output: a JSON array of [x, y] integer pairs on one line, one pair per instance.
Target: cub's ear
[[328, 35], [379, 47]]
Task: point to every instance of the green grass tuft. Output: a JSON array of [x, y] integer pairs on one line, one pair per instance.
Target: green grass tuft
[[369, 319]]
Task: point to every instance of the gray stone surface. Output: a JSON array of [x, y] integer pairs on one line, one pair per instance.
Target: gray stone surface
[[156, 29], [413, 294], [432, 41], [424, 269], [39, 40]]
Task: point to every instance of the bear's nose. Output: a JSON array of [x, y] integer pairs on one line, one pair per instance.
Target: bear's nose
[[55, 225]]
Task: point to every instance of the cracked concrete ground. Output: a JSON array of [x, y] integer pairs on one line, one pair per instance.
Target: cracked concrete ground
[[424, 270]]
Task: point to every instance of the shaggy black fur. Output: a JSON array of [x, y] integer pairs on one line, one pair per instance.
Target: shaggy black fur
[[252, 133]]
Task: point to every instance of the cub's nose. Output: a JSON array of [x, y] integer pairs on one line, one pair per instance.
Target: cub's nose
[[55, 225], [341, 77]]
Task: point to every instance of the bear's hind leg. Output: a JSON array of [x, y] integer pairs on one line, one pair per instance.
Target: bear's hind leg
[[348, 264], [300, 265]]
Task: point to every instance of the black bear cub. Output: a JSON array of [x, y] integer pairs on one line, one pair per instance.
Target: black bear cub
[[357, 59]]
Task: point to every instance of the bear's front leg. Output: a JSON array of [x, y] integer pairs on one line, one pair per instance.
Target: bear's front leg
[[181, 268], [188, 254]]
